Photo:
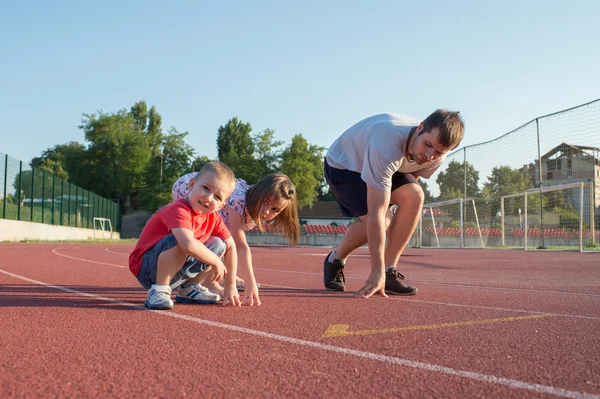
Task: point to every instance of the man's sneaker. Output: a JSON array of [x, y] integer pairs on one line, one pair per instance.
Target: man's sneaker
[[333, 275], [159, 299], [196, 293], [394, 284]]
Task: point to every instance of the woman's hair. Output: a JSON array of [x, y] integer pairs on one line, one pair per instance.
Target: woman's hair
[[275, 186]]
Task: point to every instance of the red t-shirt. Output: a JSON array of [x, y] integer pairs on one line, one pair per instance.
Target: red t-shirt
[[177, 214]]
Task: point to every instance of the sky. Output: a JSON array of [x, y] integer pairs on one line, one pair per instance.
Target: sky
[[312, 67]]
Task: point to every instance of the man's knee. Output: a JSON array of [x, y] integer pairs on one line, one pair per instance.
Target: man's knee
[[408, 195]]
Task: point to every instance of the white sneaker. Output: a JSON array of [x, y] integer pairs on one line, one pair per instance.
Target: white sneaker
[[159, 298], [196, 293]]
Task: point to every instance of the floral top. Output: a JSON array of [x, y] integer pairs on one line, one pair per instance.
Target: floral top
[[236, 202]]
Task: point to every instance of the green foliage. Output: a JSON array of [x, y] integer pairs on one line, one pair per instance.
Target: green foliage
[[235, 147], [151, 199], [118, 154], [62, 160], [452, 181], [505, 181], [126, 154], [324, 193], [428, 197], [198, 163], [266, 153], [174, 161], [303, 163], [568, 219]]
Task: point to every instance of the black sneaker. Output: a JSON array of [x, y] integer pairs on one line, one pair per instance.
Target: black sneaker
[[394, 284], [333, 275]]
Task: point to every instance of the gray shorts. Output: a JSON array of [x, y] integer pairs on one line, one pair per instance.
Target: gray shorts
[[190, 269]]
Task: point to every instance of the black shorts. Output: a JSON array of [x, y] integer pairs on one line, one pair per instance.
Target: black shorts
[[350, 189]]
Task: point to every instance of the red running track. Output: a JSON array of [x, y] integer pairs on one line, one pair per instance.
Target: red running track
[[486, 323]]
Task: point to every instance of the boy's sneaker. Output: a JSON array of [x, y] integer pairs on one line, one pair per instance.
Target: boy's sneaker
[[394, 284], [159, 299], [333, 275], [196, 293]]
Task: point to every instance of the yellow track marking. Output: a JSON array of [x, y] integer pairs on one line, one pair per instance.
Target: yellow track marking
[[341, 330]]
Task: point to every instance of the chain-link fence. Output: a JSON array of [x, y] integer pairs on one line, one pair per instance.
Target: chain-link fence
[[555, 149], [35, 195]]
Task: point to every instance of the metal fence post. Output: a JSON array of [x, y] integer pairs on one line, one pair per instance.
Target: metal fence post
[[69, 213], [32, 181], [20, 190], [465, 165], [53, 195], [5, 178], [76, 206], [43, 192], [537, 127], [62, 199]]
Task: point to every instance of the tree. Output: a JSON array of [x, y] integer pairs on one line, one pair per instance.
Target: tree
[[198, 163], [428, 197], [303, 163], [173, 161], [452, 181], [164, 169], [117, 156], [235, 147], [266, 154], [504, 181], [325, 193], [63, 160], [149, 123]]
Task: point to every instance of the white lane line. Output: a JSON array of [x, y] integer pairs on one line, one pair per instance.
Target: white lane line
[[115, 252], [471, 285], [492, 379], [460, 305], [413, 300], [55, 251]]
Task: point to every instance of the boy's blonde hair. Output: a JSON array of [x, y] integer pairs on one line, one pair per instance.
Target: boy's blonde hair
[[452, 128], [280, 187], [221, 170]]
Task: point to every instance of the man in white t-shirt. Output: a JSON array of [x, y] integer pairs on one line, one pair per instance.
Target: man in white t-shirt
[[373, 165]]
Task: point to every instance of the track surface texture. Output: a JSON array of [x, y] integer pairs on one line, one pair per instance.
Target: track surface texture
[[485, 324]]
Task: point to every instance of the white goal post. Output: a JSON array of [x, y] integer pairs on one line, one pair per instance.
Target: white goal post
[[103, 223], [461, 203], [576, 193]]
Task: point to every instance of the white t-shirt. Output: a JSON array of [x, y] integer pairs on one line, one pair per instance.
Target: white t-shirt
[[236, 202], [375, 147]]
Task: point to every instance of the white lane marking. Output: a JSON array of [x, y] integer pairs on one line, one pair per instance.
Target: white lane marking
[[413, 300], [460, 305], [492, 379], [472, 285], [115, 252], [86, 260]]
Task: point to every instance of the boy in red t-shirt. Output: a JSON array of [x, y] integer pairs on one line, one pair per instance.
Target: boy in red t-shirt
[[185, 239]]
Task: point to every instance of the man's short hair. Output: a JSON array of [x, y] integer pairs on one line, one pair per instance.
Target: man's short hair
[[452, 128]]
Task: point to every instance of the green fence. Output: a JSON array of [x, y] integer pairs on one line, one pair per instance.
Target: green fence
[[35, 195]]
